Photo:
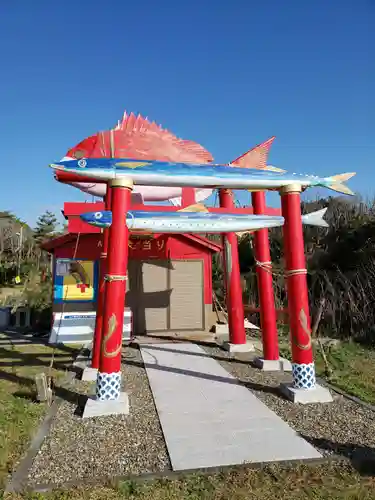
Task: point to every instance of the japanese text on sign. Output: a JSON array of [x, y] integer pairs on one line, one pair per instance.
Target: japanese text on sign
[[147, 245]]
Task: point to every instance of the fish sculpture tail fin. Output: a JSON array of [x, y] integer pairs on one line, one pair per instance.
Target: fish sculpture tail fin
[[336, 183], [198, 207], [315, 218]]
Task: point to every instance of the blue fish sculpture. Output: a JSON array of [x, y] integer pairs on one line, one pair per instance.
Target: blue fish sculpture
[[159, 173], [197, 222]]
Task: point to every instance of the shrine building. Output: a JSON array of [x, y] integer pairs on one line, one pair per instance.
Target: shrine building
[[169, 286]]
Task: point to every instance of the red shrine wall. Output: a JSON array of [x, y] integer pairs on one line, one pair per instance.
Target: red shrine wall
[[88, 246], [188, 284]]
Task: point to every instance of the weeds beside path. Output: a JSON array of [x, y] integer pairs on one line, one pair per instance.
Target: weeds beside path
[[328, 482], [352, 368], [20, 414]]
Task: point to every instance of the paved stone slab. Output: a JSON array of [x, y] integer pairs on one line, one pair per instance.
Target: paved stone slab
[[208, 418], [97, 408], [319, 394], [247, 347], [273, 365]]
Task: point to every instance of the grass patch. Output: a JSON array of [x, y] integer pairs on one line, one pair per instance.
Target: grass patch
[[19, 417], [19, 413], [352, 365], [329, 481], [353, 369]]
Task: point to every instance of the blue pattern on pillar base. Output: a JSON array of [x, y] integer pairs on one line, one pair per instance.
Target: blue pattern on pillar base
[[303, 376], [108, 386]]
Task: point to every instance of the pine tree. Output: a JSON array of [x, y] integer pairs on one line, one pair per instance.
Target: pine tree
[[46, 227]]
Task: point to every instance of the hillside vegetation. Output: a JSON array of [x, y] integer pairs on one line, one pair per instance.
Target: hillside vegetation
[[340, 263]]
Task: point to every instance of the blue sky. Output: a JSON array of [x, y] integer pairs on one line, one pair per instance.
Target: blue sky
[[226, 74]]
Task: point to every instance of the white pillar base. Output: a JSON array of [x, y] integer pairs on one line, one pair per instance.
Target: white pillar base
[[317, 394], [89, 374], [273, 365], [104, 408], [108, 386], [247, 347]]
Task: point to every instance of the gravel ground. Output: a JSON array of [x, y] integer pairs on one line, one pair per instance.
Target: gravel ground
[[79, 449], [342, 427], [103, 447]]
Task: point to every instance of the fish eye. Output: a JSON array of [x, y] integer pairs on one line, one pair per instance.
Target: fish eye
[[82, 163], [98, 215]]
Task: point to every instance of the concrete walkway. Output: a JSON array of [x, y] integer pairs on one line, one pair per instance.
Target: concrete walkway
[[208, 419]]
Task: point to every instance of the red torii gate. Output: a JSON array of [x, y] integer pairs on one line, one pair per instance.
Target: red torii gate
[[113, 275], [73, 210], [237, 334]]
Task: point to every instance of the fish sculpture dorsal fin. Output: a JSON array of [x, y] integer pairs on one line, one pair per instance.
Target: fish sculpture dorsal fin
[[242, 234], [138, 138], [256, 158], [198, 207]]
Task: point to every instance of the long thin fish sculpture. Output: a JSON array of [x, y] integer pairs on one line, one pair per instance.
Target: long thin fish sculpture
[[160, 173], [195, 222]]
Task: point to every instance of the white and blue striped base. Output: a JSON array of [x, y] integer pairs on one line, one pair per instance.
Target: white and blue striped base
[[108, 386], [303, 376]]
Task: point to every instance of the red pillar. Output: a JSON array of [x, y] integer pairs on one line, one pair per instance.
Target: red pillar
[[298, 303], [187, 196], [237, 334], [101, 291], [265, 284], [109, 377]]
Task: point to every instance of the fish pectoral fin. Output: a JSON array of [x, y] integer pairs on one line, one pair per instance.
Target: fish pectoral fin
[[198, 207], [267, 168], [132, 164], [276, 170], [336, 183]]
